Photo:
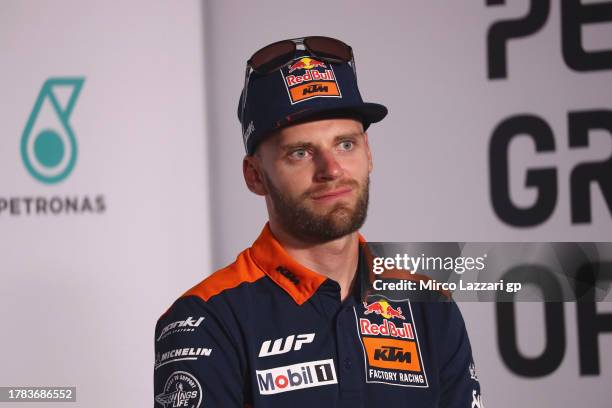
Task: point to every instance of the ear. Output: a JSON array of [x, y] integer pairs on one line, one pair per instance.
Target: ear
[[368, 152], [251, 169]]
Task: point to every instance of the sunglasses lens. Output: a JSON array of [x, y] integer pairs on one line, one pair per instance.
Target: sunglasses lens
[[272, 56], [326, 47]]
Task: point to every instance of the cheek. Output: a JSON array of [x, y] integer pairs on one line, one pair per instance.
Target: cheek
[[291, 179], [358, 166]]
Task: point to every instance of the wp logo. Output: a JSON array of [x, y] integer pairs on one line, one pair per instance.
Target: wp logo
[[48, 143], [289, 344]]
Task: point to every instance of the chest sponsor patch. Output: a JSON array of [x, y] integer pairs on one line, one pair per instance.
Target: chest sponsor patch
[[296, 377], [306, 78], [390, 344]]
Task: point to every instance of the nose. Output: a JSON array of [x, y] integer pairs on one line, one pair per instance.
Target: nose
[[327, 167]]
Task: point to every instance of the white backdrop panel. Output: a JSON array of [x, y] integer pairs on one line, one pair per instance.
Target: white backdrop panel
[[80, 293]]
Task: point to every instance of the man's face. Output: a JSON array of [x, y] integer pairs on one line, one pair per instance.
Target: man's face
[[315, 176]]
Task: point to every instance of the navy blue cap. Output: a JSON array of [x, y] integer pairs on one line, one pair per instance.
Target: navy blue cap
[[305, 88]]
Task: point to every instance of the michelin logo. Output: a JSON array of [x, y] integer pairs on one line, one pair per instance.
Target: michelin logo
[[181, 355]]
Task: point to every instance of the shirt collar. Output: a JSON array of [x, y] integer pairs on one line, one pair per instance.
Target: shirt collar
[[297, 280]]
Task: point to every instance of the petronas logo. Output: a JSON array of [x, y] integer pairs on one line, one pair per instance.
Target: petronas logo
[[48, 143]]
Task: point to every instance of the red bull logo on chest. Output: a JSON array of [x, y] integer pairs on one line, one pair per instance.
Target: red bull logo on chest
[[391, 344], [383, 308], [306, 78]]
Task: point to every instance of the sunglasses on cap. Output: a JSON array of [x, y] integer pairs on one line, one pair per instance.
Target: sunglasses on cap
[[273, 56]]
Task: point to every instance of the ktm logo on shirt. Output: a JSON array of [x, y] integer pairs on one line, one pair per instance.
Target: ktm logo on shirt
[[392, 354]]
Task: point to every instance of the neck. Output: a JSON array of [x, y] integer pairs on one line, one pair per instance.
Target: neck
[[335, 259]]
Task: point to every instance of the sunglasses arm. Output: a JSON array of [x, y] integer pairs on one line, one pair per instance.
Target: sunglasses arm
[[353, 65], [245, 89]]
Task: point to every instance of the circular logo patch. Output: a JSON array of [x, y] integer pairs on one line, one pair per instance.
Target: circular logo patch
[[181, 390]]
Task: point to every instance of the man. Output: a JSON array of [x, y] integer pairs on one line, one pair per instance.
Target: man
[[292, 322]]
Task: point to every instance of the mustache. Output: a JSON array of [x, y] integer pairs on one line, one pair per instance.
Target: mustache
[[324, 189]]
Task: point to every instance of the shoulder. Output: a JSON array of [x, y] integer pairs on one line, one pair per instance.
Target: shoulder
[[219, 303], [242, 271], [223, 283]]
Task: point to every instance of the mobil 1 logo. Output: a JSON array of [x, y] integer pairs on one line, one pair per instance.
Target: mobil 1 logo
[[296, 377]]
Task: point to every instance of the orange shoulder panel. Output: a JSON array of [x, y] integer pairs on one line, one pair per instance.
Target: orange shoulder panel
[[242, 270]]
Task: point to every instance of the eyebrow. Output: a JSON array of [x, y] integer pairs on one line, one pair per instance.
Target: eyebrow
[[306, 145]]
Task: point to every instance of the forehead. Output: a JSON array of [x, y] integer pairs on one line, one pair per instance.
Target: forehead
[[314, 132]]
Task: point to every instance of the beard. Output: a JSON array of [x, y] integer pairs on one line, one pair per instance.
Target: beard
[[306, 225]]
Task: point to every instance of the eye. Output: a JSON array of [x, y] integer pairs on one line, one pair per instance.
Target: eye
[[347, 145], [299, 154]]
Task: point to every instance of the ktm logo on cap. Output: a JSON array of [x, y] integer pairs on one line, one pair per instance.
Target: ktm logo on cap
[[307, 78]]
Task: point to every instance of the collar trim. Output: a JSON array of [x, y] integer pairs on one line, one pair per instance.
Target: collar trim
[[294, 278]]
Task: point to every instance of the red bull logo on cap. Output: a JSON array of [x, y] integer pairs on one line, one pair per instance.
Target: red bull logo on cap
[[305, 63], [306, 78]]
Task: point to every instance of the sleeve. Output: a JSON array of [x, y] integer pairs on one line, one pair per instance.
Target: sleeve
[[460, 387], [197, 364]]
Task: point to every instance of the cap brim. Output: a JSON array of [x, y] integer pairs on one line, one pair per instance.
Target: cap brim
[[366, 111]]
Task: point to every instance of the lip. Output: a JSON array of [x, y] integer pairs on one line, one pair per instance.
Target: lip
[[330, 195]]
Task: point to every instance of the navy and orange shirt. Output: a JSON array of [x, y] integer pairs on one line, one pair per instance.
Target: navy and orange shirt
[[267, 332]]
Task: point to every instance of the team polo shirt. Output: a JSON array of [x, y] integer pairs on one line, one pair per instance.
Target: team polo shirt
[[267, 332]]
